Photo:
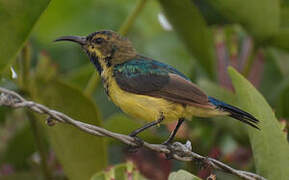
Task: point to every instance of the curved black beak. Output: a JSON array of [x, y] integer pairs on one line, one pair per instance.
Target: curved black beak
[[78, 39]]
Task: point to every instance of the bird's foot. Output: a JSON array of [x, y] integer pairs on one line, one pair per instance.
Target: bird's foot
[[177, 148], [139, 143], [168, 144]]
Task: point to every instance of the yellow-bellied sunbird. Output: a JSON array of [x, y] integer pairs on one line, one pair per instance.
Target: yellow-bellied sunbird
[[148, 89]]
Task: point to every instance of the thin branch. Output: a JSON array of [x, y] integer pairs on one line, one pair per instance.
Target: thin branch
[[178, 151]]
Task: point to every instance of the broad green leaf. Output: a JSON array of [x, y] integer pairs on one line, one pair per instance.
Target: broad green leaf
[[17, 18], [123, 171], [192, 29], [260, 17], [79, 153], [182, 175], [281, 39], [269, 145]]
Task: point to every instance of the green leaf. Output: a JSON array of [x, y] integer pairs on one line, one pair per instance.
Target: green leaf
[[192, 29], [281, 39], [182, 175], [123, 171], [80, 153], [17, 19], [260, 18], [270, 147]]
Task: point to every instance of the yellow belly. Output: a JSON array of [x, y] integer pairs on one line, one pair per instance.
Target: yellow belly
[[144, 107], [150, 108]]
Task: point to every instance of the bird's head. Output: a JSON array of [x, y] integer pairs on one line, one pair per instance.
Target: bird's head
[[104, 45]]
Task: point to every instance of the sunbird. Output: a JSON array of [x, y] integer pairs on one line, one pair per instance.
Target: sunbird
[[148, 89]]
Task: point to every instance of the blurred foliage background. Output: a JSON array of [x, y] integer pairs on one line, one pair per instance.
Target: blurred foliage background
[[199, 37]]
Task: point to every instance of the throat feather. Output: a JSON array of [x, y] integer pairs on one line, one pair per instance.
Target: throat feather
[[106, 75], [95, 60]]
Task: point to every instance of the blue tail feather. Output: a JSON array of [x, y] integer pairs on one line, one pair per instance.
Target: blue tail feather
[[235, 112]]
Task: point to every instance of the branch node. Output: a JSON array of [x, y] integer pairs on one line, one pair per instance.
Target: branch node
[[50, 121]]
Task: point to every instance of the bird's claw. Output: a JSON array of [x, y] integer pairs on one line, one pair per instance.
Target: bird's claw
[[177, 148]]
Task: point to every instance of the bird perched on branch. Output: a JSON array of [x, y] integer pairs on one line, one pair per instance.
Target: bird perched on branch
[[148, 89]]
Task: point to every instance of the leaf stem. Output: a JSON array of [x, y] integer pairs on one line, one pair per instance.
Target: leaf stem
[[24, 66], [132, 17]]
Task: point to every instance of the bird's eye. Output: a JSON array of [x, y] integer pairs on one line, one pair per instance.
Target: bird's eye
[[98, 40]]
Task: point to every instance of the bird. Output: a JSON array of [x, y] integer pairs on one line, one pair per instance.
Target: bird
[[148, 89]]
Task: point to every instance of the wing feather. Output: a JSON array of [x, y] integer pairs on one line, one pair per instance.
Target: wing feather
[[153, 78]]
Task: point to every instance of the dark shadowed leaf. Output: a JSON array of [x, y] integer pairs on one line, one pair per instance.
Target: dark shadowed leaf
[[270, 147], [17, 18]]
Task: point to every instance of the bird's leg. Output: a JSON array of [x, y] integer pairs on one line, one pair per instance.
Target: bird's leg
[[174, 132], [171, 137], [146, 126]]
